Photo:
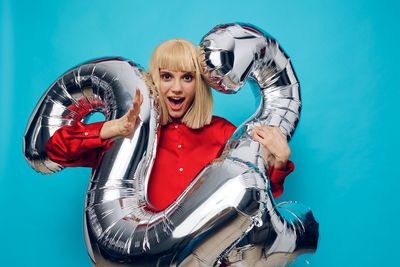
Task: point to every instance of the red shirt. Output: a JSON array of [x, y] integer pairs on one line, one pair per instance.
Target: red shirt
[[182, 153]]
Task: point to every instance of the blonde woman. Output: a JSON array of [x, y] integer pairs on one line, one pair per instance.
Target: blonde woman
[[190, 137]]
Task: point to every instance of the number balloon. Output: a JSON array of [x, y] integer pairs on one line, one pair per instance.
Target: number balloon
[[226, 206]]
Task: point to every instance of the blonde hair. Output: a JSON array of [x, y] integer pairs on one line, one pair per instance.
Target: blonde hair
[[182, 55]]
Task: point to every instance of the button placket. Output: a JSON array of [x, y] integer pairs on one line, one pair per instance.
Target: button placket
[[179, 150]]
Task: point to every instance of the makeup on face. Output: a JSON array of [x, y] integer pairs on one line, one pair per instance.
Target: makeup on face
[[178, 88]]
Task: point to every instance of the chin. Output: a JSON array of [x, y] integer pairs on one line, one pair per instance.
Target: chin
[[175, 116]]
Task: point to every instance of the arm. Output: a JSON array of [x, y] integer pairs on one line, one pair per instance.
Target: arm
[[127, 124], [83, 144], [271, 139], [277, 178], [276, 153], [78, 145]]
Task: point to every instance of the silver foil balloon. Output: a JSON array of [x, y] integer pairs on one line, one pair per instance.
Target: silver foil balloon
[[215, 211], [231, 55], [219, 212], [103, 85]]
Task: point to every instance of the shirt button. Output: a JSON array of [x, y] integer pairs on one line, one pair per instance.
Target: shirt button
[[181, 169], [86, 133], [179, 146], [176, 126]]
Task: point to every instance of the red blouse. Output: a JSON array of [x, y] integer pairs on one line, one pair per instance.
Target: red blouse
[[182, 153]]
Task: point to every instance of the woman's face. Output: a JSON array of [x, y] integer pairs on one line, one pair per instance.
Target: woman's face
[[179, 89]]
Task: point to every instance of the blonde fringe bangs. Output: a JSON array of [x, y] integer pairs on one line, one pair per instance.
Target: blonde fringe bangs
[[181, 55]]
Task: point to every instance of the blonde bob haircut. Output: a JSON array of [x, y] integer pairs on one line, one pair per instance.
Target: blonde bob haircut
[[182, 55]]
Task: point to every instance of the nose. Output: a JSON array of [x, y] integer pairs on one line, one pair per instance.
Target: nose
[[177, 87]]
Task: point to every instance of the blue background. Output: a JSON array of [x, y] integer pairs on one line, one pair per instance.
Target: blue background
[[345, 54]]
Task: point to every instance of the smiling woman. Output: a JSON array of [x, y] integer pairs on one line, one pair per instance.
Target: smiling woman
[[190, 138], [179, 90], [177, 74]]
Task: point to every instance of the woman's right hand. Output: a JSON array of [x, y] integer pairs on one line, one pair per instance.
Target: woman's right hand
[[127, 124]]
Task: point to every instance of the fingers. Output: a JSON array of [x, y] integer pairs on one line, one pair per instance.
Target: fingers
[[268, 156], [269, 130], [270, 134], [273, 140], [138, 97], [133, 112], [130, 121], [141, 97], [259, 136], [137, 100]]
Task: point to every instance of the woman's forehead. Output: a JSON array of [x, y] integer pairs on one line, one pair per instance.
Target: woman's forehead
[[163, 70], [177, 64]]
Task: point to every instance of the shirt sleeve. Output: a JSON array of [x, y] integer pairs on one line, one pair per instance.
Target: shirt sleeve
[[277, 178], [229, 129], [225, 130], [79, 145]]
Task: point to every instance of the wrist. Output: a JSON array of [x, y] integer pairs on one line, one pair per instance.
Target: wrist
[[280, 164], [110, 130], [281, 161]]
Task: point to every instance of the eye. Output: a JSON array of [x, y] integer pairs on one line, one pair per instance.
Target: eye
[[188, 77], [166, 76]]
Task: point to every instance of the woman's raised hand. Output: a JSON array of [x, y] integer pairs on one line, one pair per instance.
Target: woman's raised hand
[[274, 145], [127, 124]]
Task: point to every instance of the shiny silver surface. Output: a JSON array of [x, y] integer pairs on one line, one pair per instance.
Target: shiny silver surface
[[227, 204], [231, 55], [103, 85], [119, 229]]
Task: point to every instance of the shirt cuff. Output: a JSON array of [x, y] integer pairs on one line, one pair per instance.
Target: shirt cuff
[[86, 136], [90, 131], [277, 178]]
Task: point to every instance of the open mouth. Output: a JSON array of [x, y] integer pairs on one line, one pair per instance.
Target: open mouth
[[176, 102]]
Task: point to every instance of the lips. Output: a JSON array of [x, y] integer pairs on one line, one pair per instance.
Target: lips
[[176, 103]]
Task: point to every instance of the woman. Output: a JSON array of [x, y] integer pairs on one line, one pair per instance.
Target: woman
[[190, 137]]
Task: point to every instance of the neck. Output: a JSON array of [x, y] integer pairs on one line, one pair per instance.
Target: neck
[[175, 120]]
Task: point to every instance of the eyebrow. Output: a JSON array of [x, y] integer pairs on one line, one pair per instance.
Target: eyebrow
[[184, 72]]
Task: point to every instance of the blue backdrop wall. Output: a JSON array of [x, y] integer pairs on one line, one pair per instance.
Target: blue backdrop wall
[[345, 54]]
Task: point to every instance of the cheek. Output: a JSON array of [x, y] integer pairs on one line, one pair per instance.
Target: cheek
[[191, 90], [163, 88]]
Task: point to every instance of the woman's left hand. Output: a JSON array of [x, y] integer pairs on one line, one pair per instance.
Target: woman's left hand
[[274, 145]]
